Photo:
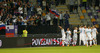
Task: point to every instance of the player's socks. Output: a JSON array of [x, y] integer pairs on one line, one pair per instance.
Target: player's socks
[[87, 43], [75, 42], [62, 43], [80, 42], [93, 42], [96, 42], [84, 42], [68, 45], [90, 43]]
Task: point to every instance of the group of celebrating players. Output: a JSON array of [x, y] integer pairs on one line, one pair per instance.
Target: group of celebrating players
[[86, 34]]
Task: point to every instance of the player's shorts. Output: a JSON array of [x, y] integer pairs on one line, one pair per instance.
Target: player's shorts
[[94, 36], [89, 37], [83, 37], [63, 38], [80, 36], [68, 38], [74, 38]]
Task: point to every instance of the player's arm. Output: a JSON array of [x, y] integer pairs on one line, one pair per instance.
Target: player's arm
[[60, 27], [96, 31], [91, 34]]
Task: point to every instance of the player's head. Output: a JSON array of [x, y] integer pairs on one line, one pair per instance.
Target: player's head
[[88, 27], [85, 26], [75, 28], [93, 27], [81, 26], [67, 29]]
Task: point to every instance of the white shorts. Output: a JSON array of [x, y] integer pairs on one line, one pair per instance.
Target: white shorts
[[68, 38], [89, 37], [83, 37], [94, 36], [63, 38], [74, 38], [80, 36]]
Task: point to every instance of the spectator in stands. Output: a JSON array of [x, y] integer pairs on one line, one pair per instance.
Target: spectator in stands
[[38, 21], [32, 7], [39, 11], [20, 10], [61, 18], [44, 4], [76, 7], [25, 10], [47, 7], [48, 18], [35, 10], [14, 20], [55, 20], [66, 16], [39, 2], [29, 9], [30, 21], [24, 20], [71, 3], [11, 19], [7, 19], [14, 9]]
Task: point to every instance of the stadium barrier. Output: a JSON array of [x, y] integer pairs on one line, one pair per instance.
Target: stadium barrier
[[34, 41], [30, 28]]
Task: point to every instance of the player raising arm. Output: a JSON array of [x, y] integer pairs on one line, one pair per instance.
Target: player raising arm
[[63, 35]]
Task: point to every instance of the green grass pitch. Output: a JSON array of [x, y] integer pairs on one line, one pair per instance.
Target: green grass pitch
[[70, 49]]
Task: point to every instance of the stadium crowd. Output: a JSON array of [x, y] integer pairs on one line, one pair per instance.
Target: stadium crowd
[[20, 12], [24, 12], [17, 12]]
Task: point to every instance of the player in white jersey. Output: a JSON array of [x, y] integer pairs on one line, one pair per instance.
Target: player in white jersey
[[80, 35], [88, 32], [83, 35], [63, 35], [94, 32], [68, 36], [75, 36]]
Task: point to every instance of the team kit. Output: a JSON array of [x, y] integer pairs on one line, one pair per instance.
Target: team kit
[[87, 35]]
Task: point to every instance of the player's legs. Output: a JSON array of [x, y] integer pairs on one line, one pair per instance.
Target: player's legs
[[84, 39], [87, 41], [73, 40], [90, 39], [63, 39], [80, 39], [68, 40], [62, 42], [94, 39]]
